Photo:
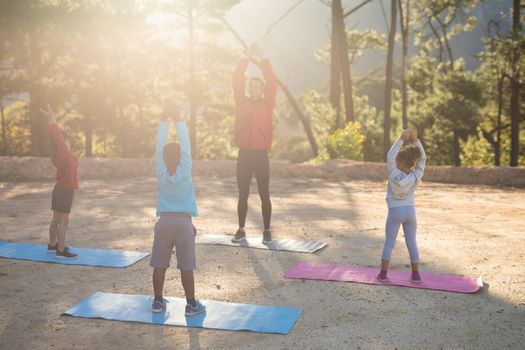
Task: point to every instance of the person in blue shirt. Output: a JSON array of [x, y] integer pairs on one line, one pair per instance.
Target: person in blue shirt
[[176, 205]]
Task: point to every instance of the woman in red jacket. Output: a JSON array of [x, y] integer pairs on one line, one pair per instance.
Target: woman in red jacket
[[67, 182], [253, 136]]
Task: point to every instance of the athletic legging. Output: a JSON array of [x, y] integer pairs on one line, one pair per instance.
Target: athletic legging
[[252, 162], [396, 217]]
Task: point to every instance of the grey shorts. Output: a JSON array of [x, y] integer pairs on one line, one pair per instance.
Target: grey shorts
[[174, 230]]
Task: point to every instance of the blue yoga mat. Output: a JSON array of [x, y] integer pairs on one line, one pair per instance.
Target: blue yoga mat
[[218, 314], [86, 256]]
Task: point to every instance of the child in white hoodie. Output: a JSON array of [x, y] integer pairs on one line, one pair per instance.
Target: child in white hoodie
[[406, 164]]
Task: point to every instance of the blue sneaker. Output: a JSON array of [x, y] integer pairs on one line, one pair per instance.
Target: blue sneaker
[[194, 310], [158, 305]]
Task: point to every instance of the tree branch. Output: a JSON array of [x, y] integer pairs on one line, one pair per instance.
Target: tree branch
[[348, 13]]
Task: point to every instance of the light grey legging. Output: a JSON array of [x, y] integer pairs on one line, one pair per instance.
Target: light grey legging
[[396, 217]]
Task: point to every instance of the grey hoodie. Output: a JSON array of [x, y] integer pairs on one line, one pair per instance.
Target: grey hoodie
[[401, 186]]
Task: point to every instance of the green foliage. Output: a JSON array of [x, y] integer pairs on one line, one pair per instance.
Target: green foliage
[[15, 127], [358, 42], [297, 150], [371, 127], [346, 142], [453, 106], [477, 151], [292, 143], [107, 67]]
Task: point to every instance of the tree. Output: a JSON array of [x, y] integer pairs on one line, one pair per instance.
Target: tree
[[388, 79], [493, 74], [440, 16], [404, 21], [358, 42], [515, 34], [339, 61]]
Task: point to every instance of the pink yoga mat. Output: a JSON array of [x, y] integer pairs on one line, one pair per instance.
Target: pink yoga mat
[[348, 273]]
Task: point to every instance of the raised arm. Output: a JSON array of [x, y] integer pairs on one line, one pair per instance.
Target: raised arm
[[239, 80], [420, 165], [391, 156], [162, 137], [57, 138], [56, 135], [184, 168], [270, 92]]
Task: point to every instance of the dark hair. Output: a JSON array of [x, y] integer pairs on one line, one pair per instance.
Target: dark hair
[[408, 155], [171, 155]]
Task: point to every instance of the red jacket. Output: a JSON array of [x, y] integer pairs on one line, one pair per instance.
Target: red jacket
[[65, 162], [253, 119]]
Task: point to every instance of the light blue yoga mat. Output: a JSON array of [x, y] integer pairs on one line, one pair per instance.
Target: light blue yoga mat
[[86, 256], [218, 314]]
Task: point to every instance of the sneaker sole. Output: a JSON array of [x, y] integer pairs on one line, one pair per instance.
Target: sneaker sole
[[238, 240], [156, 310], [194, 313], [381, 280], [267, 242], [65, 257], [415, 281]]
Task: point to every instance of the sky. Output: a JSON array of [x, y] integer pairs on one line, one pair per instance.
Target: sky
[[291, 45]]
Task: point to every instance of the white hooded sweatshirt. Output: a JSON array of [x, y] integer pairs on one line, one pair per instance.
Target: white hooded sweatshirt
[[401, 186]]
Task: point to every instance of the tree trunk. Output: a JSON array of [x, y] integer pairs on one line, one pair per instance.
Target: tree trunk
[[5, 150], [438, 38], [445, 40], [388, 81], [515, 89], [193, 102], [343, 61], [404, 22], [497, 148], [335, 71], [306, 123], [88, 132], [40, 144], [457, 149]]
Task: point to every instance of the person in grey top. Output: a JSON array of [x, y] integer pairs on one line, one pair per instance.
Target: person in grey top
[[406, 165]]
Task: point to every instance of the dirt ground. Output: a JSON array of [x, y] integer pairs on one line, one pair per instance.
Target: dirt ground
[[463, 229]]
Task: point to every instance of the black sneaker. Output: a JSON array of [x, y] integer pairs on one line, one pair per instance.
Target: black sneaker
[[267, 237], [240, 236], [51, 248], [65, 254]]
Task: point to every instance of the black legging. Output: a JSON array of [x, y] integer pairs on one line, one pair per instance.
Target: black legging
[[248, 163]]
